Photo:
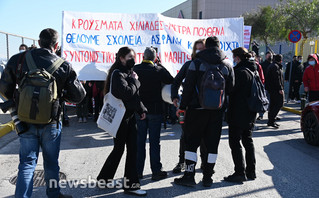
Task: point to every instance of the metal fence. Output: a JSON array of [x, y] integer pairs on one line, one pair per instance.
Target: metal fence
[[9, 44]]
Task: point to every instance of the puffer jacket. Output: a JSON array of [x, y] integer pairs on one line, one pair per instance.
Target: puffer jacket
[[311, 75], [68, 86]]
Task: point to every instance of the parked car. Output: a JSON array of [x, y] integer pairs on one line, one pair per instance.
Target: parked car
[[310, 123]]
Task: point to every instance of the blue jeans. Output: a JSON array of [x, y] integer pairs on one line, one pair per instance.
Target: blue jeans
[[48, 138], [151, 124]]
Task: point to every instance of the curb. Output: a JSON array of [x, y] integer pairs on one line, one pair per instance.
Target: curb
[[6, 128], [292, 110]]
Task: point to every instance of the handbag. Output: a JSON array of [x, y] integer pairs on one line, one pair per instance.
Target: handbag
[[112, 113]]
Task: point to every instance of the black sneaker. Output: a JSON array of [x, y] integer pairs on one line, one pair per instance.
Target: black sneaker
[[179, 168], [251, 175], [277, 118], [207, 182], [235, 178], [185, 181], [160, 175], [275, 125]]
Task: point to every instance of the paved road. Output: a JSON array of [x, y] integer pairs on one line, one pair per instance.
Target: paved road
[[286, 165]]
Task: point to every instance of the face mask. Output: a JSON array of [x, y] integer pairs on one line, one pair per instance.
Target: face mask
[[269, 59], [312, 63], [300, 61], [21, 51], [130, 63], [197, 51]]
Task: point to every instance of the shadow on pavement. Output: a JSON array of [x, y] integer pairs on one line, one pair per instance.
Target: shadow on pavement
[[295, 168]]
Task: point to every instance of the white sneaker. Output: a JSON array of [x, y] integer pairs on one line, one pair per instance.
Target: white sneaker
[[136, 192], [84, 120], [80, 120], [298, 102]]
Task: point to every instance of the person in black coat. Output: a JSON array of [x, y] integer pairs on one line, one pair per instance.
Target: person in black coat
[[274, 84], [203, 123], [240, 119], [296, 78], [198, 46], [151, 77], [125, 86], [267, 62]]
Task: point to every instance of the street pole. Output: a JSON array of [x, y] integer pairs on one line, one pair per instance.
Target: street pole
[[293, 49]]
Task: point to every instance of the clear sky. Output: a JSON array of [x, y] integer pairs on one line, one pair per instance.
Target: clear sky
[[29, 17]]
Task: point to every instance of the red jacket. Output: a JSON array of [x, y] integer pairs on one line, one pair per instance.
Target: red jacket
[[311, 75], [260, 72]]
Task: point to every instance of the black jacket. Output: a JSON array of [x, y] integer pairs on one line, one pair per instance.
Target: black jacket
[[66, 78], [151, 78], [296, 72], [265, 66], [275, 80], [195, 73], [181, 75], [238, 113], [126, 88]]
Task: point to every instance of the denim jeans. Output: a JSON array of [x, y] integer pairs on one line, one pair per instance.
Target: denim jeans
[[151, 124], [48, 138]]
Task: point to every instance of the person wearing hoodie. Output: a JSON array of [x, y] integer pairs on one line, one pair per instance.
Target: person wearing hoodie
[[240, 119], [274, 84], [311, 78], [203, 123], [198, 46]]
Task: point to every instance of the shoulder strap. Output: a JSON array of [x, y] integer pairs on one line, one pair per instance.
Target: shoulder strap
[[30, 62], [51, 69]]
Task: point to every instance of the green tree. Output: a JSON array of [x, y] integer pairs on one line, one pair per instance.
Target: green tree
[[300, 15], [264, 24]]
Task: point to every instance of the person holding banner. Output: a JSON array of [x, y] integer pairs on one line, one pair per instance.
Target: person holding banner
[[125, 86], [198, 46]]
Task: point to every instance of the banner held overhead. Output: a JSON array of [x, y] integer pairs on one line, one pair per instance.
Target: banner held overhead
[[90, 40]]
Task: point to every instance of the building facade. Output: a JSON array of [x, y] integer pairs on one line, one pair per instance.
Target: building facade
[[211, 9]]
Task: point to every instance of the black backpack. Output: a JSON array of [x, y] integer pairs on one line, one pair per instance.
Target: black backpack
[[212, 87], [257, 101]]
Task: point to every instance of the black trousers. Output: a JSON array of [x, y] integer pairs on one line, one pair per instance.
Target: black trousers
[[236, 135], [126, 135], [313, 96], [275, 104], [294, 88], [182, 147], [202, 124]]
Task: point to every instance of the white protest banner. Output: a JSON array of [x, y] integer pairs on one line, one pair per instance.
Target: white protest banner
[[90, 40], [247, 36]]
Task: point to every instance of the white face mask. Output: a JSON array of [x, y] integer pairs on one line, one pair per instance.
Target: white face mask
[[312, 63], [21, 51], [300, 61], [197, 51]]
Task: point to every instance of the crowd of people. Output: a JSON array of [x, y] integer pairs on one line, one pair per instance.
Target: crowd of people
[[139, 86]]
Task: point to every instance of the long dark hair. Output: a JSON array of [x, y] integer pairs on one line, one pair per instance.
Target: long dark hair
[[121, 53], [242, 53]]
